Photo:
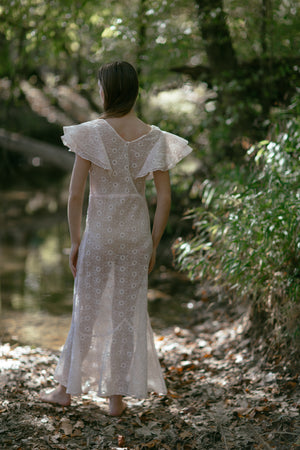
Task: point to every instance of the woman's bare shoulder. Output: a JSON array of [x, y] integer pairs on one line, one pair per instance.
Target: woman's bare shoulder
[[145, 127], [129, 128]]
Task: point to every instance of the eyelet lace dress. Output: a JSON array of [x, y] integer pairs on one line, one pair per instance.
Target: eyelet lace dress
[[110, 346]]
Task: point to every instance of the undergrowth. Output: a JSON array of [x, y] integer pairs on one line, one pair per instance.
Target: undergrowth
[[246, 234]]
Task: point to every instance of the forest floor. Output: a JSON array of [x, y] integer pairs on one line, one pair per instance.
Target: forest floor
[[222, 394]]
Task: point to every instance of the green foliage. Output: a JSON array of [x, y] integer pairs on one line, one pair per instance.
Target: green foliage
[[61, 42], [71, 39], [263, 26], [247, 230]]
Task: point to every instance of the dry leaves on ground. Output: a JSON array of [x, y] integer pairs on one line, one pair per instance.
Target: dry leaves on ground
[[220, 396]]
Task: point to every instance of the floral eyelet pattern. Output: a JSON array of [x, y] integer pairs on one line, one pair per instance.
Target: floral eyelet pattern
[[110, 329]]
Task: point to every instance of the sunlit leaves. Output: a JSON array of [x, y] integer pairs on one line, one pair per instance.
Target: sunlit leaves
[[51, 34]]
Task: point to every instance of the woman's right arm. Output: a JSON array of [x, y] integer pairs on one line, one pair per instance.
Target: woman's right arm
[[163, 204], [76, 194]]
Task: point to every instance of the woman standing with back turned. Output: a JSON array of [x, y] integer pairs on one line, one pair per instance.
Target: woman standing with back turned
[[110, 344]]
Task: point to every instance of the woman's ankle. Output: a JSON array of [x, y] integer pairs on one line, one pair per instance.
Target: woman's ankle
[[115, 400], [116, 405], [62, 389]]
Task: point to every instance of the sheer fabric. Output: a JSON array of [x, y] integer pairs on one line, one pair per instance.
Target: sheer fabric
[[110, 346]]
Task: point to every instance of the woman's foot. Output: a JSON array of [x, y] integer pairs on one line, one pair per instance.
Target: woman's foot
[[116, 405], [58, 396]]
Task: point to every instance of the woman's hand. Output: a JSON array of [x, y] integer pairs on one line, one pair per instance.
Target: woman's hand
[[73, 258], [152, 260]]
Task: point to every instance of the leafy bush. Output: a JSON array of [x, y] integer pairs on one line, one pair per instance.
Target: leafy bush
[[247, 232]]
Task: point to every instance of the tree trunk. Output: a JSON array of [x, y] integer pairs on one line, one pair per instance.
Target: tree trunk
[[48, 153], [141, 44], [216, 37], [267, 80], [231, 120]]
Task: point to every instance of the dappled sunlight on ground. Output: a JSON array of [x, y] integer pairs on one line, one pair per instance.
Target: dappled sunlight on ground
[[221, 394]]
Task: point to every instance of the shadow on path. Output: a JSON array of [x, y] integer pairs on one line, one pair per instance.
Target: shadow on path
[[220, 394]]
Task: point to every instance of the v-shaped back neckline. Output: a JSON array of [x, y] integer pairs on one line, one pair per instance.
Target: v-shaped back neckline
[[124, 140]]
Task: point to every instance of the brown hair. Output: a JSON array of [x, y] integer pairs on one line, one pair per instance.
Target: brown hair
[[120, 86]]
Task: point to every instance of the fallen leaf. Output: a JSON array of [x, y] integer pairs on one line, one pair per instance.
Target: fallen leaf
[[290, 385], [76, 432], [121, 440], [204, 296], [151, 444], [186, 434], [242, 412], [190, 410], [261, 408], [66, 426], [55, 437], [79, 424], [144, 432]]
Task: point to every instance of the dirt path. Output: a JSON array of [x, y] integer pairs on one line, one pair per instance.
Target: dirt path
[[221, 396]]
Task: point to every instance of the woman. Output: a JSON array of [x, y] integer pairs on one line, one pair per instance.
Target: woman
[[110, 345]]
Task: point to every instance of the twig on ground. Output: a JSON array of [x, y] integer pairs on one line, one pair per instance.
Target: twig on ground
[[259, 438]]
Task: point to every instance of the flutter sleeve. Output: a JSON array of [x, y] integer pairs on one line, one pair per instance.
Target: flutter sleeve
[[167, 151], [85, 140]]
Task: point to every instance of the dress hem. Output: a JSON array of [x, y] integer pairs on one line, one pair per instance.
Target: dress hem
[[109, 394]]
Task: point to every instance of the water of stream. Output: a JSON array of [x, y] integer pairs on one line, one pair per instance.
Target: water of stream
[[36, 284]]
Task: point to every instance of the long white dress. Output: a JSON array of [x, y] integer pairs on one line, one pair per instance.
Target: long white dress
[[110, 346]]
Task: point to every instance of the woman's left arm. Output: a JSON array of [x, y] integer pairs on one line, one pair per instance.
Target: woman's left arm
[[76, 194], [163, 204]]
